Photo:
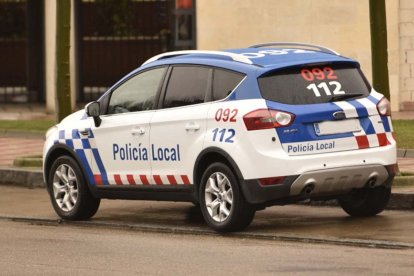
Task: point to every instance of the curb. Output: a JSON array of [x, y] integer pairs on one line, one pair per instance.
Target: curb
[[33, 178], [408, 153], [30, 178]]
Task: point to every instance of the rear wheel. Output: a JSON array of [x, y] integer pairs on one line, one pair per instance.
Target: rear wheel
[[365, 202], [68, 190], [221, 201]]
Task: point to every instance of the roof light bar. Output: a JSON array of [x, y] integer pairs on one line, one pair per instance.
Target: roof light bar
[[235, 57]]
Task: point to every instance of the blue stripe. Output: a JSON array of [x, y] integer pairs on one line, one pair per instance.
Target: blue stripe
[[69, 142], [100, 166], [61, 134], [90, 133], [361, 110], [367, 125], [373, 99], [75, 134], [86, 166], [386, 124], [86, 144]]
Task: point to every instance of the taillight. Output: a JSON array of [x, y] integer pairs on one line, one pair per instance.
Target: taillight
[[384, 107], [267, 118]]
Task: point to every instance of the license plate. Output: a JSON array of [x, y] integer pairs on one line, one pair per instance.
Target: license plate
[[337, 127]]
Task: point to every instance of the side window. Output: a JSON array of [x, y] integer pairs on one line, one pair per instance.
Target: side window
[[224, 82], [137, 93], [187, 85]]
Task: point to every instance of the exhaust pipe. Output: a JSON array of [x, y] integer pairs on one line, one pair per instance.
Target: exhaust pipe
[[308, 189], [371, 182]]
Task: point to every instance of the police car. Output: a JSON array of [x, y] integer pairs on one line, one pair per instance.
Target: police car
[[232, 131]]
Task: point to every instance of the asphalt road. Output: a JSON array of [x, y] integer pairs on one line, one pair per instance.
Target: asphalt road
[[391, 229], [51, 250]]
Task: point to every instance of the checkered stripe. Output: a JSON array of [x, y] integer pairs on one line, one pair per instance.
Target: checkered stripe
[[382, 133], [83, 143], [144, 180]]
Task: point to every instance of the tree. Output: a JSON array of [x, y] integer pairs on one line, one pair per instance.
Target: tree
[[63, 97], [379, 46]]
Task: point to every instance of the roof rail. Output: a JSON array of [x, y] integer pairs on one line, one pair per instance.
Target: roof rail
[[235, 57], [298, 45]]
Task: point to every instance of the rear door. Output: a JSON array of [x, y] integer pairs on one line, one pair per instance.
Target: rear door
[[335, 108], [178, 128]]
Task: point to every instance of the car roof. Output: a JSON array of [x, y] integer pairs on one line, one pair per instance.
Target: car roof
[[261, 58]]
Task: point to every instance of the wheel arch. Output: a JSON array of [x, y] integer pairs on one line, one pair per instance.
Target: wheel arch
[[206, 158], [57, 151]]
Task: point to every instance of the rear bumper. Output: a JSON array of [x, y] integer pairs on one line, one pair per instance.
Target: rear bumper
[[318, 184]]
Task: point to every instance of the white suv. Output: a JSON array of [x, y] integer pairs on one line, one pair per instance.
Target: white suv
[[234, 131]]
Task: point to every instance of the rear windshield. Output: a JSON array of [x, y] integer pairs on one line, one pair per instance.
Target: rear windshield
[[314, 84]]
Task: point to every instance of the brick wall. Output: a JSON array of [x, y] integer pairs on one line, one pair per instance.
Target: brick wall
[[407, 54]]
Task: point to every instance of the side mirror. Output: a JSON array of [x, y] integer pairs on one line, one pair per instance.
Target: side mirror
[[93, 109]]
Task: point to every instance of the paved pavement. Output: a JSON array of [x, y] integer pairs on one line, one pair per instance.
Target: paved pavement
[[14, 147]]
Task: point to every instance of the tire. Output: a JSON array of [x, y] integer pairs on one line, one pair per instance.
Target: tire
[[69, 191], [365, 202], [221, 202]]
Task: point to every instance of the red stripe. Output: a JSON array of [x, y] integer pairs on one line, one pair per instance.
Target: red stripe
[[157, 179], [171, 179], [362, 141], [382, 139], [131, 179], [185, 180], [118, 179], [98, 179], [144, 179]]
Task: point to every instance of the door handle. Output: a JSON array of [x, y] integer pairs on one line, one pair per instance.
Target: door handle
[[138, 131], [192, 126]]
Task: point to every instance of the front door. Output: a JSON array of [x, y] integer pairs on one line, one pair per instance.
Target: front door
[[123, 138]]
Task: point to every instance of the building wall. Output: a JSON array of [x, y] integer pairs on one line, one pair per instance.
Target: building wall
[[337, 24], [407, 54]]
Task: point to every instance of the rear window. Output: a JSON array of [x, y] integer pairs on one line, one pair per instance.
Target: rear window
[[314, 84]]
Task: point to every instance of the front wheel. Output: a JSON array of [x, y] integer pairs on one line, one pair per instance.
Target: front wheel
[[365, 202], [221, 201], [69, 192]]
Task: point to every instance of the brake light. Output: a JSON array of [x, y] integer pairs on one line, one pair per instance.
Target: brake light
[[384, 107], [267, 118]]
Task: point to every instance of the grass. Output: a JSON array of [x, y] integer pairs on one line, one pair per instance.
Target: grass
[[26, 125], [404, 129]]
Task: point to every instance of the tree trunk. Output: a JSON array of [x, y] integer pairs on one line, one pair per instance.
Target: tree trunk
[[63, 97], [379, 46]]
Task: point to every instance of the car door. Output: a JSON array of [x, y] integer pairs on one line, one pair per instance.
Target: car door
[[178, 128], [123, 138]]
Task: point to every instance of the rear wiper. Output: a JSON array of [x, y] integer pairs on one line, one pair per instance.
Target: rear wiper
[[344, 97]]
